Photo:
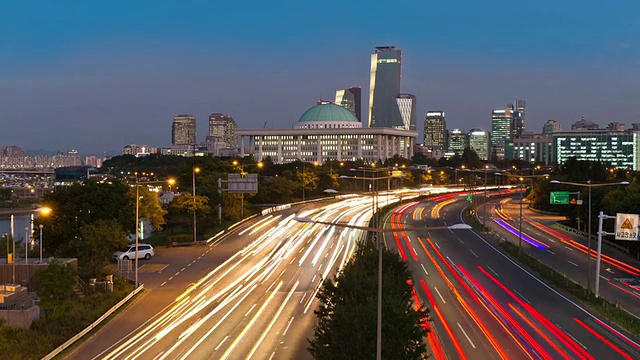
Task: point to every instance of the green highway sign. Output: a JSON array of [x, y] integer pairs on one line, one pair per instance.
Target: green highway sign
[[469, 197], [559, 198]]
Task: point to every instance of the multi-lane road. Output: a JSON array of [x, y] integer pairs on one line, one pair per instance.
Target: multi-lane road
[[485, 306]]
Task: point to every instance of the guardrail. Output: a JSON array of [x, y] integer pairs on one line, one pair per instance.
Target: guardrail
[[93, 325], [584, 234]]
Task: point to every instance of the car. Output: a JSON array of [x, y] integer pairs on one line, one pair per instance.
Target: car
[[145, 251]]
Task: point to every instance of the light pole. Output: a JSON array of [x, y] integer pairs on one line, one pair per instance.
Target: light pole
[[589, 185], [26, 246], [137, 229], [43, 211], [41, 227], [379, 231], [195, 171]]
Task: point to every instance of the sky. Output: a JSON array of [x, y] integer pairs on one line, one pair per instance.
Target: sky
[[96, 76]]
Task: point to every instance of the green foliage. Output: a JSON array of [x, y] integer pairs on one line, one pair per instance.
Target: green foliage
[[97, 242], [54, 285], [346, 318], [150, 207], [179, 238]]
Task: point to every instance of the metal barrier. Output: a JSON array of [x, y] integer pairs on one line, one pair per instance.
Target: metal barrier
[[82, 333]]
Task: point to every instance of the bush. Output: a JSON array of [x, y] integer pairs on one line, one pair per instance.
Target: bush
[[180, 238]]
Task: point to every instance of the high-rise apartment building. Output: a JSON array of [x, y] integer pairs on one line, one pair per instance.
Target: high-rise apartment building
[[351, 99], [479, 142], [223, 127], [501, 121], [183, 130], [384, 87], [435, 131]]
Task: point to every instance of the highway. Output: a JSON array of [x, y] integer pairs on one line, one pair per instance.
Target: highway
[[567, 253], [484, 305], [258, 303]]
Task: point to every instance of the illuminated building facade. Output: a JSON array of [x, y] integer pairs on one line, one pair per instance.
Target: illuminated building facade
[[501, 122], [614, 148], [435, 131], [479, 142], [351, 99], [222, 126], [183, 130]]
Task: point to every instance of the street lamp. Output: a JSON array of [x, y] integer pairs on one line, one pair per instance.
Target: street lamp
[[138, 183], [380, 231], [589, 185], [43, 211], [195, 171]]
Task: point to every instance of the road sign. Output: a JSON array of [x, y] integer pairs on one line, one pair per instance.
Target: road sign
[[469, 197], [627, 227], [559, 198]]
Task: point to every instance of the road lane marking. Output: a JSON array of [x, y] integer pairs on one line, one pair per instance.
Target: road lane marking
[[303, 296], [414, 251], [604, 278], [178, 273], [183, 269], [161, 285], [438, 246], [552, 253], [170, 278], [570, 249], [272, 355], [467, 336], [493, 271], [572, 263], [462, 242], [221, 342], [436, 289], [249, 311], [523, 298], [287, 328], [313, 279], [476, 255], [425, 270]]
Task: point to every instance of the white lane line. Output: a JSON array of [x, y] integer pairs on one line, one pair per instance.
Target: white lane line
[[572, 263], [292, 260], [551, 240], [183, 269], [189, 264], [425, 270], [604, 278], [178, 273], [476, 255], [414, 251], [462, 242], [493, 271], [438, 246], [251, 308], [303, 296], [221, 342], [441, 298], [523, 298], [552, 253], [272, 355], [313, 279], [287, 328], [161, 285], [467, 336], [566, 247], [170, 278]]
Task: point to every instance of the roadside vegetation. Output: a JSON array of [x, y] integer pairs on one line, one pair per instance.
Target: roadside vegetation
[[346, 320]]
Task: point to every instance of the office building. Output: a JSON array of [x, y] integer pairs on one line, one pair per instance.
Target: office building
[[183, 131], [531, 148], [501, 121], [517, 117], [351, 99], [327, 132], [406, 104], [479, 142], [584, 124], [551, 126], [384, 87], [458, 141], [435, 131], [613, 148], [222, 127]]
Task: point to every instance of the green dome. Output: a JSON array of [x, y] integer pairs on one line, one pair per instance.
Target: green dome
[[328, 112]]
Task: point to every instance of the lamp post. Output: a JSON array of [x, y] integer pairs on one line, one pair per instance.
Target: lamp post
[[195, 171], [26, 246], [379, 231], [137, 237], [41, 227], [43, 211], [588, 185]]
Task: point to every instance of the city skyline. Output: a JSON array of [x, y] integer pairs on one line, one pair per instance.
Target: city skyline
[[97, 78]]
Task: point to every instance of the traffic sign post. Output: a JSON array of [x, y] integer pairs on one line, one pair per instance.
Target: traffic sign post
[[627, 227], [469, 197], [559, 198]]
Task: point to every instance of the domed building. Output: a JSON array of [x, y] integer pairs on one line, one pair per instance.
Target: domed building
[[327, 132]]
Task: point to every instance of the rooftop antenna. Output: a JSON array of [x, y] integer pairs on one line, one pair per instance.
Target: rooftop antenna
[[265, 124]]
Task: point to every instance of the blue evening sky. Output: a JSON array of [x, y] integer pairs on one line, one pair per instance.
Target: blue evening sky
[[95, 76]]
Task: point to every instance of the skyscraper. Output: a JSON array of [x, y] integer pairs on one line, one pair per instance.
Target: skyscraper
[[351, 99], [385, 87], [458, 141], [435, 131], [479, 142], [406, 104], [501, 121], [517, 117], [223, 128], [183, 130]]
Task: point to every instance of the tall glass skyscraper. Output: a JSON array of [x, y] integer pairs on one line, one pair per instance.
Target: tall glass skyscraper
[[223, 127], [501, 122], [183, 130], [517, 118], [351, 99], [384, 88]]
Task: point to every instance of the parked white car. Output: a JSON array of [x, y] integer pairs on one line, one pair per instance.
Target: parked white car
[[145, 251]]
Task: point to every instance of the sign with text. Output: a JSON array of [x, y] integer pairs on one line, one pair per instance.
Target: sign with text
[[559, 198], [627, 227]]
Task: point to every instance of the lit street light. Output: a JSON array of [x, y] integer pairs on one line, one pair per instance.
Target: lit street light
[[195, 171], [379, 231], [588, 185]]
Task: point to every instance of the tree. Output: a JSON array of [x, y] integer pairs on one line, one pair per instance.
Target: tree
[[149, 207], [185, 204], [346, 319], [54, 285], [95, 245]]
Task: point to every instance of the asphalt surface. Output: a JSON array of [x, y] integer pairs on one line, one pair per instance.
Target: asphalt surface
[[492, 307]]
